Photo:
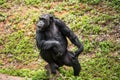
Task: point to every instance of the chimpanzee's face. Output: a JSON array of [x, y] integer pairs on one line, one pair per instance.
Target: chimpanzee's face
[[44, 22]]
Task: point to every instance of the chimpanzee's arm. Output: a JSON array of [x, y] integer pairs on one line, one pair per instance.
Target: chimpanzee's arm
[[67, 32], [42, 43]]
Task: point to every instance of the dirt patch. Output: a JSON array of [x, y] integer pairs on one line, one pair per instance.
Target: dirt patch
[[7, 77], [2, 29]]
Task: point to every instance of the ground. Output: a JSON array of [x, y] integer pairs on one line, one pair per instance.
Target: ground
[[6, 77], [96, 23]]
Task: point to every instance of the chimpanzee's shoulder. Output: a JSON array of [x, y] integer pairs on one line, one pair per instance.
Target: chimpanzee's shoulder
[[58, 21]]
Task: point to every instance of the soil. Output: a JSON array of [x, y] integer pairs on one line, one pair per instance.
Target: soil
[[7, 77]]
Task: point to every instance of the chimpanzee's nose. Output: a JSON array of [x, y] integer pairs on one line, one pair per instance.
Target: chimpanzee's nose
[[40, 24]]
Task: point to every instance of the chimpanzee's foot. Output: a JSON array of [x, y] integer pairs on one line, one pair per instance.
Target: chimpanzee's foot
[[52, 76], [48, 72]]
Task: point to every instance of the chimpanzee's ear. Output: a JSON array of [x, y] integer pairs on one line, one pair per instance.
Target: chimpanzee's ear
[[51, 18]]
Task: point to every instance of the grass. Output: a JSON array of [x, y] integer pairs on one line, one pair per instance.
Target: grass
[[93, 2], [3, 16], [20, 49], [2, 2], [99, 68], [95, 26], [25, 73]]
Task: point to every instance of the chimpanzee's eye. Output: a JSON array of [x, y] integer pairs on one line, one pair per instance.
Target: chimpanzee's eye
[[42, 19]]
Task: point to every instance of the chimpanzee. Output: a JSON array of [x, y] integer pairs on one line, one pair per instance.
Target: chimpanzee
[[51, 34]]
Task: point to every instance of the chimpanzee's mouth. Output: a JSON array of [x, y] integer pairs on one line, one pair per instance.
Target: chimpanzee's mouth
[[39, 28]]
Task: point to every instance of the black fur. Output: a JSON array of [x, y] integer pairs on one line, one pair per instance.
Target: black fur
[[51, 39]]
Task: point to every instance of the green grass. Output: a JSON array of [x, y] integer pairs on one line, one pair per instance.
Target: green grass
[[115, 4], [99, 68], [20, 47], [3, 16], [2, 2], [25, 73], [93, 2], [94, 26]]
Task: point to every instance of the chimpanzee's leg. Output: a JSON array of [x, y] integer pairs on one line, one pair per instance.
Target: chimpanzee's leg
[[48, 72], [76, 66], [70, 60], [48, 57], [52, 76], [53, 67]]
